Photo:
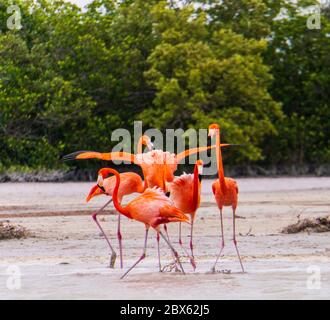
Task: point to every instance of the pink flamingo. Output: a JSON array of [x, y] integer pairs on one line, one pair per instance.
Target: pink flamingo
[[225, 191], [185, 193], [152, 208]]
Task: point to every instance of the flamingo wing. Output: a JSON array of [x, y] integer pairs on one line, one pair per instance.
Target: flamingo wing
[[112, 156], [172, 214], [182, 190], [180, 156]]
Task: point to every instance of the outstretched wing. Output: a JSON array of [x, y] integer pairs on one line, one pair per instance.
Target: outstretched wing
[[112, 156], [180, 156]]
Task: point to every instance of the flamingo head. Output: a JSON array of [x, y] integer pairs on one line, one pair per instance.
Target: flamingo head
[[147, 142], [213, 129], [200, 164], [95, 191], [103, 174]]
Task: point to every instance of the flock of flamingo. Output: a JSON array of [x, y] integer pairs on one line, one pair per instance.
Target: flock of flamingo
[[163, 197]]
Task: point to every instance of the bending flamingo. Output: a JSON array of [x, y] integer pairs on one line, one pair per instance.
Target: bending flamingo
[[225, 191], [185, 193], [152, 208], [131, 183]]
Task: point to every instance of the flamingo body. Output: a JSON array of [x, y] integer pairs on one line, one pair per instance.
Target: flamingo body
[[182, 193], [153, 208], [228, 197], [158, 167]]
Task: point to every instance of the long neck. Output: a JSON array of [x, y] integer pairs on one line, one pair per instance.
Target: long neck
[[145, 182], [116, 202], [196, 187], [140, 145], [164, 178], [221, 173]]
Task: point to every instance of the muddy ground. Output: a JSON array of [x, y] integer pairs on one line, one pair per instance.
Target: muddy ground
[[67, 258]]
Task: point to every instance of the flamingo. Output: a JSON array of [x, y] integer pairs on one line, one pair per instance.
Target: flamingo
[[152, 208], [185, 193], [158, 166], [131, 183], [225, 191]]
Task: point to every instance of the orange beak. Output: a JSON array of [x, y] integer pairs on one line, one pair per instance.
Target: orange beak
[[95, 191]]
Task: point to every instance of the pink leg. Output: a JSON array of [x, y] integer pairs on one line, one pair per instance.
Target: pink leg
[[142, 256], [158, 249], [180, 232], [168, 237], [165, 228], [191, 238], [191, 258], [119, 236], [173, 250], [222, 242], [113, 253], [234, 240]]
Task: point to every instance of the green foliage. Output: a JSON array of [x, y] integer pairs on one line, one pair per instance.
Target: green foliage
[[204, 75], [69, 77], [301, 68]]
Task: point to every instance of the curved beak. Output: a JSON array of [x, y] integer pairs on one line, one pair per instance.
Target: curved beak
[[95, 191]]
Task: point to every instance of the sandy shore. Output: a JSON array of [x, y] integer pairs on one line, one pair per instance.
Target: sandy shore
[[67, 258]]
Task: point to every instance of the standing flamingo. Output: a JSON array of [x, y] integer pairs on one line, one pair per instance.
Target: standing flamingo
[[225, 191], [185, 193], [131, 183], [152, 208]]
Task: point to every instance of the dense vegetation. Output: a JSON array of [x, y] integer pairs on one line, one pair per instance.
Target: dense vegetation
[[70, 77]]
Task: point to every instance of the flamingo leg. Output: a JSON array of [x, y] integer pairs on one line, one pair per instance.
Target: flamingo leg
[[191, 258], [168, 237], [173, 250], [191, 238], [119, 236], [158, 250], [166, 231], [234, 239], [142, 256], [180, 230], [222, 242], [113, 253]]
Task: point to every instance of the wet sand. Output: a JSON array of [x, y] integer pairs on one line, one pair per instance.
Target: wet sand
[[67, 258]]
